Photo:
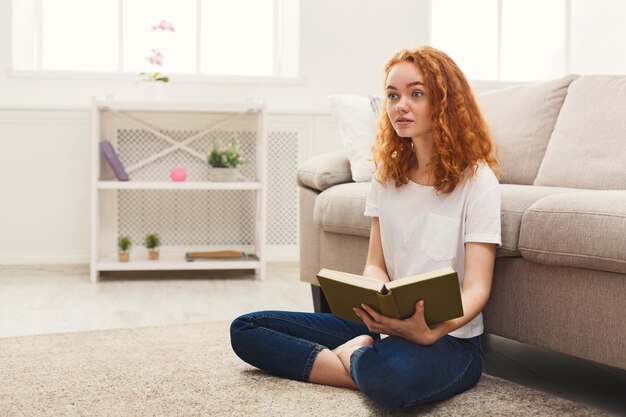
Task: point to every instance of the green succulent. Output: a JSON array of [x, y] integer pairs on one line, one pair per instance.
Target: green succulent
[[228, 157], [152, 241], [124, 243]]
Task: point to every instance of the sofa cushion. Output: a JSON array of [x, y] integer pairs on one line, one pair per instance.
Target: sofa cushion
[[516, 199], [585, 229], [587, 146], [521, 120], [340, 209], [324, 171], [356, 119]]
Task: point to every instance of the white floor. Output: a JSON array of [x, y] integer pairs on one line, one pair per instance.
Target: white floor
[[54, 299]]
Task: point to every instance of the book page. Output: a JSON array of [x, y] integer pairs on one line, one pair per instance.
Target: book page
[[421, 277], [352, 279]]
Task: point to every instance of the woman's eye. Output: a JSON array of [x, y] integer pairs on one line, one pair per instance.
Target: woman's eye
[[392, 96], [417, 94]]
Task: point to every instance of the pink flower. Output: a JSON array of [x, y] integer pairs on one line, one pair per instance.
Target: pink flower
[[156, 58], [163, 26]]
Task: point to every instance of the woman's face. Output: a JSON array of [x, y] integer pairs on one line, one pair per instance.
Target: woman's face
[[407, 102]]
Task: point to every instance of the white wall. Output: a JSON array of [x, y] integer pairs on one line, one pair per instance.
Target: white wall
[[44, 123], [344, 45], [44, 187]]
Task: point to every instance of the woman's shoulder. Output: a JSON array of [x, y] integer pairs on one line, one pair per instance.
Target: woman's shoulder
[[382, 183], [483, 175]]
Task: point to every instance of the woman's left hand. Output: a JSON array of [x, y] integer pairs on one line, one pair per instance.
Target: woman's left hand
[[413, 328]]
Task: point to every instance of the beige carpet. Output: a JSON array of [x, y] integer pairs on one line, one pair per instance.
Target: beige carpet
[[190, 370]]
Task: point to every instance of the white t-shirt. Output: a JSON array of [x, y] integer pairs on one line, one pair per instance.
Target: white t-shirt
[[422, 231]]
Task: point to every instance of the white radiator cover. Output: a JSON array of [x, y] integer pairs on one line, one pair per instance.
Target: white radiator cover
[[208, 217]]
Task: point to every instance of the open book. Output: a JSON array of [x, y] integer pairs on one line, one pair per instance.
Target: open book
[[439, 289]]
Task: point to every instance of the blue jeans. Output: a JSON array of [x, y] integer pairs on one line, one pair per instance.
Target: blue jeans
[[392, 372]]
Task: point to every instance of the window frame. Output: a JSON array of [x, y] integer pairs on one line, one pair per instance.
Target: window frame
[[499, 82], [119, 75]]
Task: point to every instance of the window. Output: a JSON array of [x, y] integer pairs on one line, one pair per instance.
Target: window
[[531, 40], [206, 37]]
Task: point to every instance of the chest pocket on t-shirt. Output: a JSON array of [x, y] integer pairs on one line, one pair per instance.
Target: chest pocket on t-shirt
[[441, 237]]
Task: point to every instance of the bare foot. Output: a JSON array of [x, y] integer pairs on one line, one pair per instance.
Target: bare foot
[[345, 351]]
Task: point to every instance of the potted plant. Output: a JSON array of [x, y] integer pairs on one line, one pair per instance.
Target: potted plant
[[153, 242], [224, 163], [123, 245], [153, 82]]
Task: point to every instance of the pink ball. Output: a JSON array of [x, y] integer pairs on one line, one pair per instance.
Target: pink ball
[[178, 174]]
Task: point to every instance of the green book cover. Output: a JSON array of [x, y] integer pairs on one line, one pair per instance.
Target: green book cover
[[439, 289]]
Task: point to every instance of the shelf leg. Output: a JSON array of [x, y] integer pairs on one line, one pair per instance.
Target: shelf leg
[[94, 275], [259, 273]]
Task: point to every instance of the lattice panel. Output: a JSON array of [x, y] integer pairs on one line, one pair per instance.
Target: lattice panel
[[136, 144], [207, 217], [282, 204], [184, 218]]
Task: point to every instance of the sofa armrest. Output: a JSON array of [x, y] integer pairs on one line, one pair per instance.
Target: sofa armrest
[[324, 171]]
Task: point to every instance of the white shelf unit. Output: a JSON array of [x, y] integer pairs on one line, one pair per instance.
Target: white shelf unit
[[151, 138]]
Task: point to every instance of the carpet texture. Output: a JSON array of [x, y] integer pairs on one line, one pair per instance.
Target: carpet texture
[[191, 370]]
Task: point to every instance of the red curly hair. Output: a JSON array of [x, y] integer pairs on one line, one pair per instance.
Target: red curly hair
[[461, 136]]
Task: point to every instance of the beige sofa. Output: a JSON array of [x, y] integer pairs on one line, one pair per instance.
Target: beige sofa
[[560, 275]]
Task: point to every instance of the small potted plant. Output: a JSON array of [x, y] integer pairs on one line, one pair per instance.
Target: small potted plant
[[123, 245], [153, 82], [224, 163], [153, 242]]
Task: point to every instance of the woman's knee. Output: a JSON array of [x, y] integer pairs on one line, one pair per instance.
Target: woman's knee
[[386, 378], [377, 377], [241, 329], [239, 332]]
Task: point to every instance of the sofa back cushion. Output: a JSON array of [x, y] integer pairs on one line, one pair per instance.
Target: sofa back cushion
[[521, 120], [588, 145]]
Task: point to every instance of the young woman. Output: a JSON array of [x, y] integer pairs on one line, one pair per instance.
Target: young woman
[[434, 202]]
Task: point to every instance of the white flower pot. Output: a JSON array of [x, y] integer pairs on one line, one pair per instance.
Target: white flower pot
[[223, 174], [153, 90]]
